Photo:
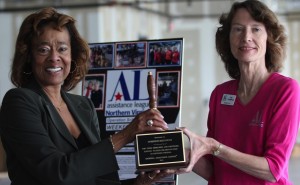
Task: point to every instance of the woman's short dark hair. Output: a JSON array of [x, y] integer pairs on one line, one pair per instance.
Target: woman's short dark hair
[[30, 28], [276, 41]]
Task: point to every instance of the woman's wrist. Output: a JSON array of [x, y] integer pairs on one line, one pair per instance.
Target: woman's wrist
[[112, 142], [118, 140], [215, 147], [217, 151]]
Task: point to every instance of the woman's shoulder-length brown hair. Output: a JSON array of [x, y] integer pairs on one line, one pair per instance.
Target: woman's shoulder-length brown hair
[[30, 28], [276, 41]]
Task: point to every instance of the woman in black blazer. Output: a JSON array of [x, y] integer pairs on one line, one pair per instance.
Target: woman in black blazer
[[51, 137]]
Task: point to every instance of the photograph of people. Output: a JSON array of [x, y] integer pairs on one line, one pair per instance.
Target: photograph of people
[[87, 91], [93, 88], [164, 52], [55, 137], [131, 55], [253, 119], [97, 95], [101, 56], [168, 88]]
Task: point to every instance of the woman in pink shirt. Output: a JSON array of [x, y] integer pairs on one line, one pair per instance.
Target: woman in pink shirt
[[253, 119]]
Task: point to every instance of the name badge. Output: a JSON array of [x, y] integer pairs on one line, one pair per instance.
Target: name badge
[[228, 99]]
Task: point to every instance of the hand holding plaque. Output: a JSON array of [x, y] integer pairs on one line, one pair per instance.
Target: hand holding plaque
[[158, 150]]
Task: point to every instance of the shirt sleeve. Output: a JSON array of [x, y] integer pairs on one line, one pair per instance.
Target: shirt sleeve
[[283, 127]]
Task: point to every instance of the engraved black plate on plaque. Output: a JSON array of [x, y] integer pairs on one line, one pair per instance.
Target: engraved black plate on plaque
[[160, 150]]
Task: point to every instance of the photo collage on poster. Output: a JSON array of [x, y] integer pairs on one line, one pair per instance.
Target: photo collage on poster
[[116, 83]]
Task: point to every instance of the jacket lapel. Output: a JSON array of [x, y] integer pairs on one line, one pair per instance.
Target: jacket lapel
[[60, 125], [55, 117], [82, 116]]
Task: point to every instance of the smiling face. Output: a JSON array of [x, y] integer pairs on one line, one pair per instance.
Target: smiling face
[[52, 56], [248, 38]]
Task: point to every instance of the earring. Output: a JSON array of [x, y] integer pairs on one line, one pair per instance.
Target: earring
[[75, 68], [27, 73], [26, 67]]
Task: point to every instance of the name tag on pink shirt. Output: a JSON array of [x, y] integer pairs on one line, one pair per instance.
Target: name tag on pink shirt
[[228, 99]]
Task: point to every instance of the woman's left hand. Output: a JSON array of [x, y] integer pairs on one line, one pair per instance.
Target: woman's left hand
[[200, 146], [150, 120], [147, 178]]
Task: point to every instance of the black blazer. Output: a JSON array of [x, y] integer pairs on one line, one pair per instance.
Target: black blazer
[[40, 149]]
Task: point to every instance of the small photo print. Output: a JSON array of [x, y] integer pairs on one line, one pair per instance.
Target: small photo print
[[168, 88], [165, 53], [102, 56], [93, 88], [130, 55]]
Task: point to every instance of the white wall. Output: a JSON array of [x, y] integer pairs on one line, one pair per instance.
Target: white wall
[[6, 52]]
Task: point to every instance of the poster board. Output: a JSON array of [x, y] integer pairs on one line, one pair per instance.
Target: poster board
[[117, 85]]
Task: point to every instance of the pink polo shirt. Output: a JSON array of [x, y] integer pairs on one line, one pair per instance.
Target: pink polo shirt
[[267, 126]]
